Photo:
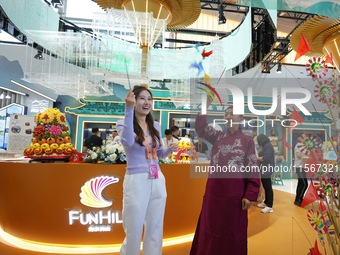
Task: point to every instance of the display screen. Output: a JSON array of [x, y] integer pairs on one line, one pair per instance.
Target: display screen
[[5, 122]]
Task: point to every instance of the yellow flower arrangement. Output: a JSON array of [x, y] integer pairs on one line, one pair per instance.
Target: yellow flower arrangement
[[50, 137], [37, 118], [54, 111], [46, 117], [61, 118]]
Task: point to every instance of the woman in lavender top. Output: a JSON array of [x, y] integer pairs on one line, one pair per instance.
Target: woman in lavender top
[[144, 191]]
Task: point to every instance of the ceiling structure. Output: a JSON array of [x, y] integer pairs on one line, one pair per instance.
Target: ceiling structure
[[178, 13], [270, 42], [234, 13], [269, 50], [323, 36]]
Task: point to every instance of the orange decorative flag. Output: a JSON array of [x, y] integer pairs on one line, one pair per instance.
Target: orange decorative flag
[[310, 196], [329, 59], [303, 47], [297, 117], [315, 249]]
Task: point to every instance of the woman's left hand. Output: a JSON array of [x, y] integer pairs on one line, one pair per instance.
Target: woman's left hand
[[173, 147], [245, 204]]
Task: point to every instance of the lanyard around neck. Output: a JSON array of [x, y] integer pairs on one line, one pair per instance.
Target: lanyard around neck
[[148, 156]]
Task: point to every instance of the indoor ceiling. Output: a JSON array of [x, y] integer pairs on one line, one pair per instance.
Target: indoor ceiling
[[287, 22], [201, 31]]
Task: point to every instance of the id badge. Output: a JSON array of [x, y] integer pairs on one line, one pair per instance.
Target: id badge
[[153, 171]]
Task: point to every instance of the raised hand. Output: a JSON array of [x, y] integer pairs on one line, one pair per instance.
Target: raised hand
[[173, 147], [130, 98]]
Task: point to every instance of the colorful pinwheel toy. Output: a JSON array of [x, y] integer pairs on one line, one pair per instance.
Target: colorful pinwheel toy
[[316, 67], [325, 92], [317, 221], [308, 143]]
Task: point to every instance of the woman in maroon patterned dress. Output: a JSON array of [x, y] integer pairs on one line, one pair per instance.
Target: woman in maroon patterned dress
[[223, 222]]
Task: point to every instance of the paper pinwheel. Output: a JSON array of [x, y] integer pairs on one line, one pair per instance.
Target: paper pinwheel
[[325, 92], [317, 221], [328, 186], [316, 67], [308, 143]]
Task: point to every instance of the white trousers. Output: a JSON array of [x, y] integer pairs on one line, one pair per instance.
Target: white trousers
[[143, 204]]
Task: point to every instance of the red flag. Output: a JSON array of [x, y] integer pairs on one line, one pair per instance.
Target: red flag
[[329, 59], [286, 143], [310, 196], [315, 249], [296, 116], [303, 47]]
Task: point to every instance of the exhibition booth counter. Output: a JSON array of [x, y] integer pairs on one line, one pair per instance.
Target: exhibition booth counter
[[79, 204]]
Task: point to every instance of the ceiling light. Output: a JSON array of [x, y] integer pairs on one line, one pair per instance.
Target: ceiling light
[[8, 97], [57, 3], [157, 46], [2, 96], [39, 55], [279, 67], [221, 18]]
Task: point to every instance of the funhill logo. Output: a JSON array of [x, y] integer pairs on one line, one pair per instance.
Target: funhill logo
[[92, 192], [92, 196]]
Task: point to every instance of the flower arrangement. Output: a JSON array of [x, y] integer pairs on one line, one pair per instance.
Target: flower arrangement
[[186, 152], [111, 153], [51, 137], [167, 160]]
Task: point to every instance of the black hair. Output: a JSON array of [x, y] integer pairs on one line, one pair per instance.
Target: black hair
[[262, 139], [95, 130], [174, 128], [149, 120], [167, 132]]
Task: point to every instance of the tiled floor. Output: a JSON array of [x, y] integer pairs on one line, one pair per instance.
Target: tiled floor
[[286, 231]]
